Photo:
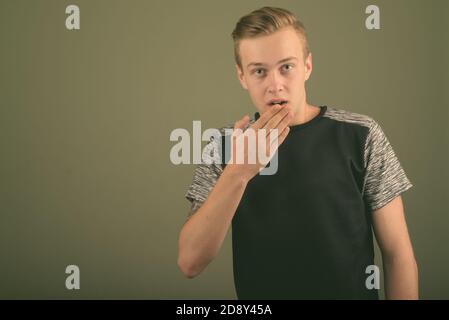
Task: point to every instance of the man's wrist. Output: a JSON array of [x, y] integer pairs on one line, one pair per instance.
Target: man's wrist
[[233, 172]]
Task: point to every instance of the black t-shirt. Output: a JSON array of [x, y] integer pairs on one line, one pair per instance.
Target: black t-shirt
[[305, 231]]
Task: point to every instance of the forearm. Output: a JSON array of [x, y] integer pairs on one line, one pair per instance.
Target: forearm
[[203, 234], [401, 277]]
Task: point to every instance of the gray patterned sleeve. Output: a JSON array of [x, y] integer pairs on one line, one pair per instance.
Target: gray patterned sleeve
[[205, 177], [384, 176]]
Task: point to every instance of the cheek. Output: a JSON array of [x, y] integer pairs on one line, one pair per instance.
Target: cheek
[[254, 88], [300, 75], [298, 79]]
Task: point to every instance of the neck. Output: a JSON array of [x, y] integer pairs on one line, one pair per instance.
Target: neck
[[304, 113]]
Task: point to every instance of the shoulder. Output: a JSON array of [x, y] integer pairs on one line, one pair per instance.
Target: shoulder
[[346, 116]]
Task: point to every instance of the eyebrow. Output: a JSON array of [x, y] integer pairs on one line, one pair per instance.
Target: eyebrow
[[279, 62]]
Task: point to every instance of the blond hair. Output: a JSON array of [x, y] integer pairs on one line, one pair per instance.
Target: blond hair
[[265, 21]]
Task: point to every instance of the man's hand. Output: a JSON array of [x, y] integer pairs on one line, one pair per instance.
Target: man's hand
[[246, 161]]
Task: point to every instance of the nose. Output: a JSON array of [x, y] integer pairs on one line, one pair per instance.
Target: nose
[[275, 83]]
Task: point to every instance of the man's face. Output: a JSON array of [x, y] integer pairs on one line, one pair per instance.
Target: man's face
[[266, 73]]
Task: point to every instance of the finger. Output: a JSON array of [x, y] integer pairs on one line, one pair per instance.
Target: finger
[[284, 122], [267, 115], [272, 142], [283, 135], [282, 117], [274, 145], [240, 124]]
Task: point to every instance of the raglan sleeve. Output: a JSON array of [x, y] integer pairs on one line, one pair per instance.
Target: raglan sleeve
[[385, 178], [205, 176]]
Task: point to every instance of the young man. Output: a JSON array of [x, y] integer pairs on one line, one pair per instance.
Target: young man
[[304, 232]]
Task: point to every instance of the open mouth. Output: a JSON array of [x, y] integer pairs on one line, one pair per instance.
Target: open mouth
[[281, 102]]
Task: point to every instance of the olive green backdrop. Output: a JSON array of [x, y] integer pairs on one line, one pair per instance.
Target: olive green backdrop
[[85, 175]]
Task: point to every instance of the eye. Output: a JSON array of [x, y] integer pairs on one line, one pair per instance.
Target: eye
[[287, 65], [256, 71]]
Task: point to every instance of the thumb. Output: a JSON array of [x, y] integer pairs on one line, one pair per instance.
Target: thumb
[[240, 124]]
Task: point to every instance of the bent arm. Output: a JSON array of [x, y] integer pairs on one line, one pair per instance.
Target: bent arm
[[202, 235]]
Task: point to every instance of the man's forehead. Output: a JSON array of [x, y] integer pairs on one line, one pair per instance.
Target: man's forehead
[[254, 63], [271, 49]]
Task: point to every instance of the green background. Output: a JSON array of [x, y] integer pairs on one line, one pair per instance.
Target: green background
[[86, 117]]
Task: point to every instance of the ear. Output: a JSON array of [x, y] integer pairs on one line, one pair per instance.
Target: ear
[[308, 66], [241, 77]]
